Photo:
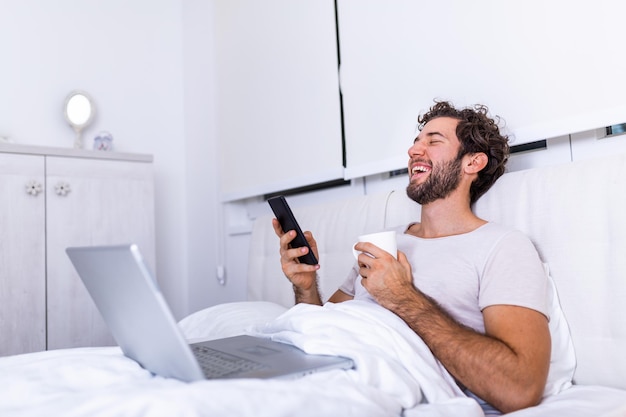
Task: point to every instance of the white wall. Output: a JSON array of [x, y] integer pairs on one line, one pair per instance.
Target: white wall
[[206, 244], [128, 55]]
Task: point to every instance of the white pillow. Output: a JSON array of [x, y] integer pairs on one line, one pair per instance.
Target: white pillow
[[563, 357], [229, 319]]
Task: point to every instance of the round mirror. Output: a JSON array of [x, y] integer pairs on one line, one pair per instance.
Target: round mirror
[[79, 112]]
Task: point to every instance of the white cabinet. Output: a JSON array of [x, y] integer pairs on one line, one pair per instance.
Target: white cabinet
[[83, 201], [109, 202], [277, 89], [22, 254]]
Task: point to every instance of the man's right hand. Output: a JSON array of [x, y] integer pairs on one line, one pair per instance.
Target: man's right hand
[[302, 276]]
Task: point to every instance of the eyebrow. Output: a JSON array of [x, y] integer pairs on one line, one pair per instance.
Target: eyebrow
[[429, 135]]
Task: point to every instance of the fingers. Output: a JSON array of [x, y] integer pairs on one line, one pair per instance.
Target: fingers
[[292, 254], [287, 253], [292, 268], [372, 258], [285, 238], [404, 262], [277, 228], [371, 250], [312, 243]]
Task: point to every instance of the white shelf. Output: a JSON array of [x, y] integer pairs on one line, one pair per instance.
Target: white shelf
[[72, 153]]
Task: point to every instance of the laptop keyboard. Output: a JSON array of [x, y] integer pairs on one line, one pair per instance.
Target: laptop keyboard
[[216, 364]]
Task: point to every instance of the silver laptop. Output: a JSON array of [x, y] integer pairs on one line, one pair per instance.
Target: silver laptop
[[141, 322]]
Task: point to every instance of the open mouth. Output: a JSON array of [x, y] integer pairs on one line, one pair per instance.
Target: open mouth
[[418, 170]]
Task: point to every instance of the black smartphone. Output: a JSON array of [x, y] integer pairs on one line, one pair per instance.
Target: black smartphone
[[287, 221]]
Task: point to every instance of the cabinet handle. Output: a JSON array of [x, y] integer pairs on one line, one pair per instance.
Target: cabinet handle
[[33, 187], [62, 188]]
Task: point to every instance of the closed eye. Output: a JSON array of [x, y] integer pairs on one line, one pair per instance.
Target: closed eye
[[435, 137]]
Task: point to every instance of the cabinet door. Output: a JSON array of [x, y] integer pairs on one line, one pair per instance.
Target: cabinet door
[[278, 95], [22, 254], [91, 202]]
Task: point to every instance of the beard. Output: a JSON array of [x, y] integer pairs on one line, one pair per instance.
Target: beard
[[441, 182]]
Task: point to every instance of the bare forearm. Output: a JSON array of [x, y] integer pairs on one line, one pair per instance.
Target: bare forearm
[[486, 365], [307, 295]]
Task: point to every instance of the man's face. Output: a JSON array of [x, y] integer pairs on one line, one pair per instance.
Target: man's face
[[434, 161]]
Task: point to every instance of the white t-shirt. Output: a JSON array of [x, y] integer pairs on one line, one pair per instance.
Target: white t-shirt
[[468, 272], [491, 265]]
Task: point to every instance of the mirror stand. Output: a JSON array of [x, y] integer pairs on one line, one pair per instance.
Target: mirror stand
[[78, 141], [79, 112]]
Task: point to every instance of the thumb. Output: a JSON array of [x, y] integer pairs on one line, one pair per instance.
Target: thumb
[[404, 261]]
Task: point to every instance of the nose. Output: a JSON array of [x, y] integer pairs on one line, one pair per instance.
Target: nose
[[416, 149]]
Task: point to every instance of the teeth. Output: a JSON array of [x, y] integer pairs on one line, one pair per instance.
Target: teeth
[[418, 169]]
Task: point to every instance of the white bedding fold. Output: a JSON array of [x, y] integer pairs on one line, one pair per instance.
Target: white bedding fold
[[387, 353]]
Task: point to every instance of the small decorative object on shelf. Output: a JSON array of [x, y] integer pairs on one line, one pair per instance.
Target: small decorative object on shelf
[[33, 187], [103, 142]]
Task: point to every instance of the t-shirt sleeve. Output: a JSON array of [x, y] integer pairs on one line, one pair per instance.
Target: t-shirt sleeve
[[514, 275], [348, 285]]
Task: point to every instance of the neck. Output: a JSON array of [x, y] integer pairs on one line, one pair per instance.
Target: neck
[[446, 217]]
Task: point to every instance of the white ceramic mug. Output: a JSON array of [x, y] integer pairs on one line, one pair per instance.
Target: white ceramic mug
[[384, 240]]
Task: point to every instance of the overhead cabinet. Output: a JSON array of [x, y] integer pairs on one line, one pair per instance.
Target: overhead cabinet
[[548, 68], [278, 104], [279, 77]]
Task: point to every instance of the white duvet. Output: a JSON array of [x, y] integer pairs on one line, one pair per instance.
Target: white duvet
[[395, 373]]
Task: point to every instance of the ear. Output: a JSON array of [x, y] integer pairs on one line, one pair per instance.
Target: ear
[[476, 162]]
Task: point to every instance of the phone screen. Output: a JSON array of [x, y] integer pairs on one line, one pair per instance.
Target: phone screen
[[287, 221]]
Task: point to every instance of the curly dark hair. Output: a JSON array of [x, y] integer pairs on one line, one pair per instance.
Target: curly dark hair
[[477, 132]]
